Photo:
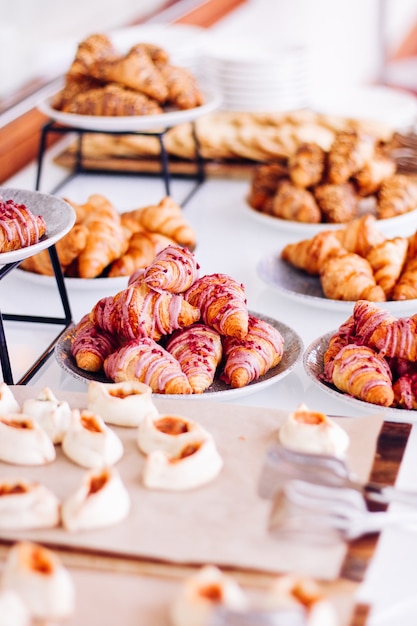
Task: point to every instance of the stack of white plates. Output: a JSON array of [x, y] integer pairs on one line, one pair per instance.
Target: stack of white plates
[[254, 76]]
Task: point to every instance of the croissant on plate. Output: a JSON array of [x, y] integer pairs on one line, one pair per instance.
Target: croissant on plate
[[264, 185], [222, 303], [369, 178], [111, 100], [389, 335], [406, 285], [348, 276], [142, 249], [183, 90], [174, 269], [360, 372], [295, 204], [306, 165], [253, 356], [168, 219], [360, 234], [348, 154], [139, 311], [106, 239], [68, 248], [337, 203], [146, 361], [387, 260], [19, 227], [396, 195], [344, 335], [405, 391], [310, 254], [91, 345], [198, 349]]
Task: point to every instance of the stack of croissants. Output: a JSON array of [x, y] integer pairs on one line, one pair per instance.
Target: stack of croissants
[[105, 242], [358, 262], [175, 330], [373, 357]]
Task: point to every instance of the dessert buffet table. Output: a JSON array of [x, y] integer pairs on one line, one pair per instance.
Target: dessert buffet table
[[230, 240]]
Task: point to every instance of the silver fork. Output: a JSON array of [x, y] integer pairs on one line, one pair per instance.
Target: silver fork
[[282, 464], [285, 616], [328, 514]]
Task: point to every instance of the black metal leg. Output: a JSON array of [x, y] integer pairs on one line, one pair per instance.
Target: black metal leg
[[4, 356]]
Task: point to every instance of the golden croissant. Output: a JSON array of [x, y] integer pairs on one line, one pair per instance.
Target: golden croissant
[[337, 203], [310, 254], [342, 337], [68, 248], [389, 335], [139, 311], [253, 356], [348, 276], [360, 372], [387, 260], [173, 269], [306, 166], [19, 227], [348, 154], [360, 234], [406, 286], [90, 345], [198, 349], [222, 303], [168, 219], [141, 251], [146, 361], [295, 204]]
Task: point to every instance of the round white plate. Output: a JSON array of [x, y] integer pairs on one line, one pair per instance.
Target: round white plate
[[132, 123], [110, 285], [293, 351], [313, 365], [58, 215], [399, 226], [306, 289]]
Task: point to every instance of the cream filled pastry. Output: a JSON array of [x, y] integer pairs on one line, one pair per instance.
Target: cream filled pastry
[[122, 404], [23, 441], [8, 403], [89, 442], [313, 432], [51, 414], [196, 463], [290, 590], [25, 505], [202, 593], [13, 611], [168, 433], [100, 500], [37, 575]]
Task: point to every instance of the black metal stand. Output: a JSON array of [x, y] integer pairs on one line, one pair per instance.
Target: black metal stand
[[52, 127]]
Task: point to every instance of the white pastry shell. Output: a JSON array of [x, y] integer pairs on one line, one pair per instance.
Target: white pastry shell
[[53, 415], [89, 442], [33, 506], [151, 437], [105, 506], [179, 473], [195, 603], [314, 433], [24, 442], [122, 404], [8, 402], [48, 590]]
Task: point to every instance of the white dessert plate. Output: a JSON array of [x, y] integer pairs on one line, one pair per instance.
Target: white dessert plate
[[313, 365], [111, 285], [131, 123], [399, 226], [293, 350], [58, 215], [305, 289]]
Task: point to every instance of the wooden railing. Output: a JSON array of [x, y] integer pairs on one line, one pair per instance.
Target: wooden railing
[[19, 139]]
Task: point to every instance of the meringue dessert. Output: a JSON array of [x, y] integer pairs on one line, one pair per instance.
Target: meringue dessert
[[202, 593], [168, 433], [89, 442], [122, 404], [101, 500], [197, 463], [37, 575], [25, 505], [13, 611], [51, 414], [313, 432], [23, 441], [8, 403], [292, 591]]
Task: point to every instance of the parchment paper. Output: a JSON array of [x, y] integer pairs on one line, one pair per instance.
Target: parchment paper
[[224, 522]]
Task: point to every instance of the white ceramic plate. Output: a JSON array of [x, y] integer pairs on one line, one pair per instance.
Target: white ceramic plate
[[132, 123], [111, 285], [313, 365], [306, 289], [58, 215], [293, 350], [400, 226]]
